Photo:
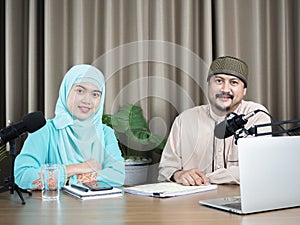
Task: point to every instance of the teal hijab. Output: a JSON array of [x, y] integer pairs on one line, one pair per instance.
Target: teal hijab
[[79, 140]]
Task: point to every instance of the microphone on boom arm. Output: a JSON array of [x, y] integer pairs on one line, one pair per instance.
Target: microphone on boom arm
[[29, 123], [230, 125]]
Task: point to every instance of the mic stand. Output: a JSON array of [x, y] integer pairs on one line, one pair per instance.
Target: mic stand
[[10, 181], [253, 130]]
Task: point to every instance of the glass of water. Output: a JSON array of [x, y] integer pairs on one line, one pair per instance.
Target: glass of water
[[50, 181]]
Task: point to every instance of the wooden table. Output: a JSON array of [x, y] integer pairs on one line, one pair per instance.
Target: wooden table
[[133, 209]]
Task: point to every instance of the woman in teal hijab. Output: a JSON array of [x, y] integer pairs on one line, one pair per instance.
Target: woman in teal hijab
[[75, 138]]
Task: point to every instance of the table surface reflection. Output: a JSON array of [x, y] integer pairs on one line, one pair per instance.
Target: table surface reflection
[[133, 209]]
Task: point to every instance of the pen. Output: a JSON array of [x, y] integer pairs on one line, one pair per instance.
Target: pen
[[81, 188], [157, 194]]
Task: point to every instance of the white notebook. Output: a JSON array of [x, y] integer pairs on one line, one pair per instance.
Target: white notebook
[[83, 195]]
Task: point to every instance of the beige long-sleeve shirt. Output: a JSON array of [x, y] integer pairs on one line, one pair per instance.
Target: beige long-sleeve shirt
[[192, 144]]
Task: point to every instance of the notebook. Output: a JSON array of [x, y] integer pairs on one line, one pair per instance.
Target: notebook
[[269, 176], [167, 189], [88, 194]]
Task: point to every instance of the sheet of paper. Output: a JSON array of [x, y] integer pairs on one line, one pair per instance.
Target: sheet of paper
[[167, 189]]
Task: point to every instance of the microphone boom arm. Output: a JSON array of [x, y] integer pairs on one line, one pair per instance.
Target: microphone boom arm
[[253, 130]]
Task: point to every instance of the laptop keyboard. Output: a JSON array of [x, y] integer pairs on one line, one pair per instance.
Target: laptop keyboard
[[235, 205]]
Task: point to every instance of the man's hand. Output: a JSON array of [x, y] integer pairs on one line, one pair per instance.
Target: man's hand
[[190, 177]]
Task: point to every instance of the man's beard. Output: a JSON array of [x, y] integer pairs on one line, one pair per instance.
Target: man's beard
[[221, 108]]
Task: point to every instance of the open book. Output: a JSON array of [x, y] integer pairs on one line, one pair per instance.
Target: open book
[[167, 189], [88, 194]]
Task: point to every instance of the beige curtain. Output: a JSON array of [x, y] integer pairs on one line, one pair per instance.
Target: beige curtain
[[153, 52], [266, 34]]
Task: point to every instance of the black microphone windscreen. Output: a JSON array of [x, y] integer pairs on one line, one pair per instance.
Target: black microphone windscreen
[[221, 130], [34, 121]]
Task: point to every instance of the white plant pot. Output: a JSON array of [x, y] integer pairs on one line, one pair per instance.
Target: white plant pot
[[136, 172]]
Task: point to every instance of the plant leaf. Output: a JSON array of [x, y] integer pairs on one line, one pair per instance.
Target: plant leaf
[[3, 153], [132, 130], [129, 117], [106, 119]]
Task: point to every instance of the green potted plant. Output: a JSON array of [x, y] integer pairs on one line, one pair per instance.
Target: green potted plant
[[3, 165], [135, 141], [3, 153]]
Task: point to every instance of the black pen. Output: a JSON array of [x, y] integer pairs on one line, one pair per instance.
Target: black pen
[[81, 188], [157, 194]]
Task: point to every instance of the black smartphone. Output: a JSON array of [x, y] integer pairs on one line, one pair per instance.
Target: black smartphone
[[97, 185]]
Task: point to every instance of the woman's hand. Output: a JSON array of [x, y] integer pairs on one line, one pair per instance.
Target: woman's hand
[[93, 165], [88, 166]]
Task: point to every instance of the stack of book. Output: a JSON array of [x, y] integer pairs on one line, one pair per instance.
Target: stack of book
[[84, 193]]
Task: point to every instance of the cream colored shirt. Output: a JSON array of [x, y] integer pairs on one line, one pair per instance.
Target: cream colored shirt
[[192, 144]]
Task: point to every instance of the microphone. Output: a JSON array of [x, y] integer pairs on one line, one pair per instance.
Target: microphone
[[30, 123], [229, 126]]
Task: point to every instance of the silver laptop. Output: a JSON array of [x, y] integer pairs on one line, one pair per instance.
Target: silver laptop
[[269, 176]]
